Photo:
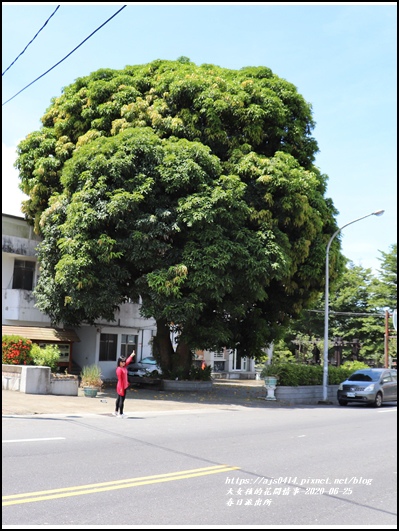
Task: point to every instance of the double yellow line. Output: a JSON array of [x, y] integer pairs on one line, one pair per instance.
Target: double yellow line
[[31, 497]]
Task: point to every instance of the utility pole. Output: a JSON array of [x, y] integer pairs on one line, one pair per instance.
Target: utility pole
[[386, 342]]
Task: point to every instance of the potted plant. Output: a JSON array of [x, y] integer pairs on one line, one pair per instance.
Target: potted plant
[[90, 380]]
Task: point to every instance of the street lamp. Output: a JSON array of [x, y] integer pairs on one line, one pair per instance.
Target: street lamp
[[325, 353]]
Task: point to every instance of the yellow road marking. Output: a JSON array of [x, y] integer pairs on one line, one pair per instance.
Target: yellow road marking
[[30, 497]]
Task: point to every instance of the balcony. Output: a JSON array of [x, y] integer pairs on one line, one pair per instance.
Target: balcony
[[19, 305]]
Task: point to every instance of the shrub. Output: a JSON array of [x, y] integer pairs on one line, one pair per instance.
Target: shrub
[[16, 350], [336, 375], [354, 365], [201, 373], [294, 374], [195, 373], [47, 356]]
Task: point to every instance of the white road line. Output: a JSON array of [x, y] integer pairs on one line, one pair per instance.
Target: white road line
[[34, 440]]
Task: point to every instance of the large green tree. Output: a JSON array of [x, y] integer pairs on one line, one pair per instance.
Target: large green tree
[[192, 187], [385, 288], [358, 303]]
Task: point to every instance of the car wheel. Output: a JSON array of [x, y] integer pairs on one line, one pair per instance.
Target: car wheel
[[342, 402], [378, 400]]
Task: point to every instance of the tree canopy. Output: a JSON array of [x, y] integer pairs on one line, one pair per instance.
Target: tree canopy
[[359, 300], [191, 187]]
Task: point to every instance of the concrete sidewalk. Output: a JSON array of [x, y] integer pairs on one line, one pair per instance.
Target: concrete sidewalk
[[248, 393]]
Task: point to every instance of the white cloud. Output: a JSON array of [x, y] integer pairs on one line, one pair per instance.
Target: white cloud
[[11, 194]]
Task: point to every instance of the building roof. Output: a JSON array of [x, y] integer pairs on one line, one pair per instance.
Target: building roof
[[39, 333]]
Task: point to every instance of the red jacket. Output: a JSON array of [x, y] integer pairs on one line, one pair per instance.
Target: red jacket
[[121, 374]]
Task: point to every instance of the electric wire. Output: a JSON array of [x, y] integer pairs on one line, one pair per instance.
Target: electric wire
[[349, 313], [15, 60], [70, 53]]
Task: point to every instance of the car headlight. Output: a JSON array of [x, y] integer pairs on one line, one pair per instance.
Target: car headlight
[[340, 387], [369, 388]]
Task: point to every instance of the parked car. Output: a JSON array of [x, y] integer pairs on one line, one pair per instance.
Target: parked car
[[369, 386], [146, 367]]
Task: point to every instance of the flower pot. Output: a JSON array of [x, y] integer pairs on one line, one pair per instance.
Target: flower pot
[[270, 384], [90, 391]]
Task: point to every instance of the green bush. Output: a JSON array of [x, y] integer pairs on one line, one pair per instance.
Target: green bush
[[16, 350], [294, 374], [354, 365], [47, 356], [195, 373], [199, 373]]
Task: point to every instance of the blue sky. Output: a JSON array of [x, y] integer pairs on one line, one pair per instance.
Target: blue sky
[[340, 56]]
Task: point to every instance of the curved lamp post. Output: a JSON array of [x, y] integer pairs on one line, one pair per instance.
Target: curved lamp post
[[325, 354]]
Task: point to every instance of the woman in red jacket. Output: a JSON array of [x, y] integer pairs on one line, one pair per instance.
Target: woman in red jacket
[[122, 384]]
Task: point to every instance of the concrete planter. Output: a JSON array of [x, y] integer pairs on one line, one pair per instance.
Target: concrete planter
[[305, 394], [64, 386], [186, 385], [30, 379], [11, 377], [36, 380]]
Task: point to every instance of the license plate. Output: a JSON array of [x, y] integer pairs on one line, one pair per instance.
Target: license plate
[[350, 395]]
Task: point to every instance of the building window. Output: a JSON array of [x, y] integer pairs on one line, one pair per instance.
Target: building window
[[23, 274], [128, 344], [218, 366], [64, 348], [240, 363], [108, 347]]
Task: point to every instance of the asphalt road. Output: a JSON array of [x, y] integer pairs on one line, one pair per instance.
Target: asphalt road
[[225, 465], [138, 398]]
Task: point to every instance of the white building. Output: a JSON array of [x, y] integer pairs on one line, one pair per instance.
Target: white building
[[101, 344]]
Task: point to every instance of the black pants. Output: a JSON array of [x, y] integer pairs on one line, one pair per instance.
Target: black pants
[[120, 401]]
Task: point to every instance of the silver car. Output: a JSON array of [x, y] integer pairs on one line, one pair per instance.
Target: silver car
[[147, 367], [369, 386]]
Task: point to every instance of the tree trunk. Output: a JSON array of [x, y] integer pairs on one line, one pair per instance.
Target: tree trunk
[[175, 363], [162, 346], [183, 359]]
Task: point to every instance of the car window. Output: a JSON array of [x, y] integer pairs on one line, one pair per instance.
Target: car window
[[394, 377], [364, 376], [386, 378]]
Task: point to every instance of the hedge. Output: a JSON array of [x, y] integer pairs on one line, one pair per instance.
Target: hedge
[[294, 374]]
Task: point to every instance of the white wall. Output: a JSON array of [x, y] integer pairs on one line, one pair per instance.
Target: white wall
[[18, 306], [87, 351]]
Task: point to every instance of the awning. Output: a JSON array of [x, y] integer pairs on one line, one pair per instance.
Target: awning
[[38, 333]]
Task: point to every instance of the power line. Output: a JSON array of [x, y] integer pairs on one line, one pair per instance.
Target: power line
[[349, 313], [70, 53], [15, 60]]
